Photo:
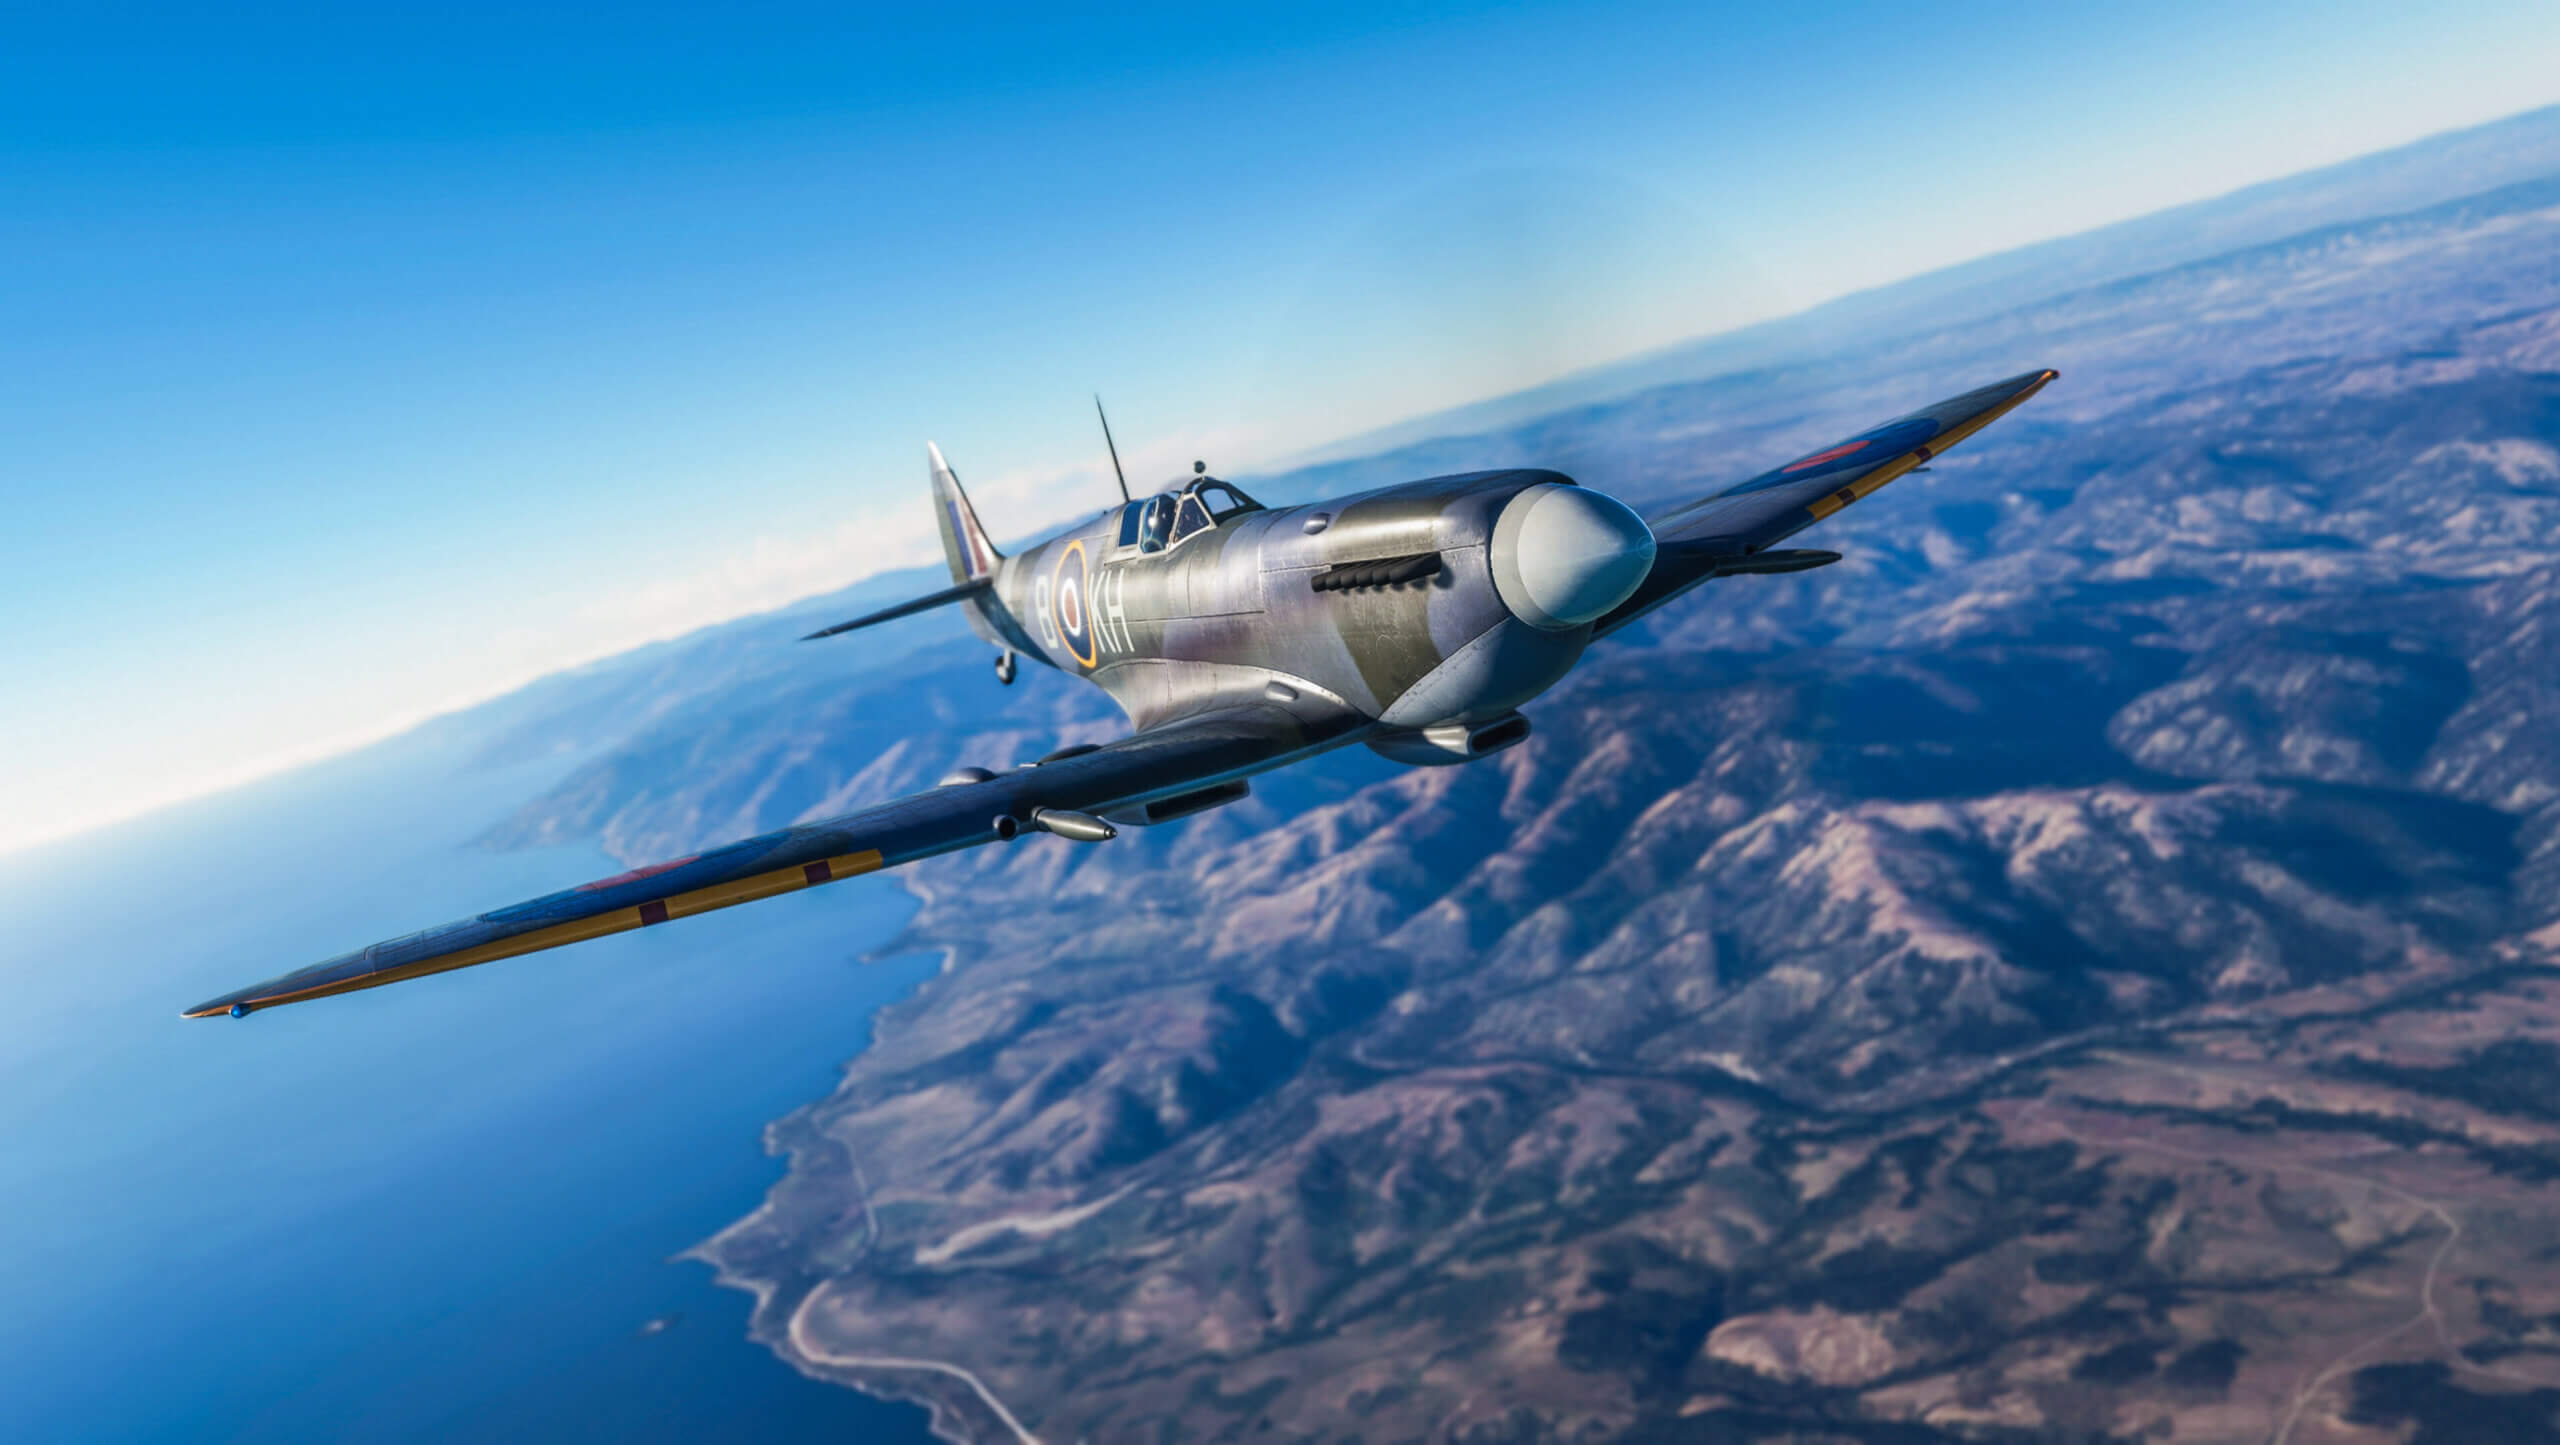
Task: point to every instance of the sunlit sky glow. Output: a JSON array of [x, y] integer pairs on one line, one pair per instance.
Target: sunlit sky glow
[[353, 369]]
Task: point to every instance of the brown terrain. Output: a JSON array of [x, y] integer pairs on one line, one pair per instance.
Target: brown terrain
[[2085, 968]]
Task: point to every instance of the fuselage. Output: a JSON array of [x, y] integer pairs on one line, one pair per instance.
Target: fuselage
[[1432, 604]]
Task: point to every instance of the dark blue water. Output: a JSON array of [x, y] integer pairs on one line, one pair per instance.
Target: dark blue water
[[442, 1210]]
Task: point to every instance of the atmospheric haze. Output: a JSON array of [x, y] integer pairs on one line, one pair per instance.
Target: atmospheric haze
[[2086, 965], [380, 366]]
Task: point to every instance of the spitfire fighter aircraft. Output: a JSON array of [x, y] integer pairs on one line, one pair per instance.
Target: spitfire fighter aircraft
[[1239, 638]]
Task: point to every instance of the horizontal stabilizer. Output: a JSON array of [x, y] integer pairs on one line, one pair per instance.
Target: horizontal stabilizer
[[942, 598]]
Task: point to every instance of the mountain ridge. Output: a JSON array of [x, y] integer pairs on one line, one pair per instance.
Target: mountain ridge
[[2081, 964], [2431, 170]]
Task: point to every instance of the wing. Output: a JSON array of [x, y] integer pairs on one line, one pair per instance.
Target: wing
[[1732, 530], [1172, 761]]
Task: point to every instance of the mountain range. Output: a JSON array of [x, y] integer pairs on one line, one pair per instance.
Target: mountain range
[[2081, 968]]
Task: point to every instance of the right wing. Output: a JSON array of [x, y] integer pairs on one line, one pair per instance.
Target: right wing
[[1166, 762], [1732, 530]]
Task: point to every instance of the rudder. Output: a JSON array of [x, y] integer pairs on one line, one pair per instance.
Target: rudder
[[964, 542]]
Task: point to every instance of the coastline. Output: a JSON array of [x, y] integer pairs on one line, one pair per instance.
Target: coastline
[[774, 1321], [811, 1193]]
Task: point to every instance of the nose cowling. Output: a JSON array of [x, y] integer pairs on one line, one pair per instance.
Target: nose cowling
[[1563, 556]]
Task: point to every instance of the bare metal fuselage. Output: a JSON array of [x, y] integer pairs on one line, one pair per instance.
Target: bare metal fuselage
[[1238, 614]]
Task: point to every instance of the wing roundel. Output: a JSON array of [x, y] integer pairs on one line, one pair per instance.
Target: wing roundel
[[1719, 533], [1778, 503]]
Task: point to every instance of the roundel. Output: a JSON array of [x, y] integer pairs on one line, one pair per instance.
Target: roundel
[[1070, 606]]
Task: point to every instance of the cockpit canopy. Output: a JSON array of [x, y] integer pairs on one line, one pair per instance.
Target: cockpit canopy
[[1170, 518]]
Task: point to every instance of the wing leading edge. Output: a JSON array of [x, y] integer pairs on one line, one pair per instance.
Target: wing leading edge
[[1163, 762], [1731, 530]]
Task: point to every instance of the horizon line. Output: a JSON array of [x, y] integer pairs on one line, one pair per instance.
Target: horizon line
[[1375, 441]]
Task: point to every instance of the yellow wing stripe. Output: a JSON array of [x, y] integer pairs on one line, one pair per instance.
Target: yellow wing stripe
[[1830, 502], [1873, 482], [620, 920]]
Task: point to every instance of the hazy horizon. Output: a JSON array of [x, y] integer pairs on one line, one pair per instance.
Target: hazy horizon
[[349, 567]]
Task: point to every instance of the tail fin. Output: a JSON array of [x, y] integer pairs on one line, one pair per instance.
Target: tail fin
[[964, 543], [973, 562]]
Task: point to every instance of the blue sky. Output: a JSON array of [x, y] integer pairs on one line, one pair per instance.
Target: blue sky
[[354, 367]]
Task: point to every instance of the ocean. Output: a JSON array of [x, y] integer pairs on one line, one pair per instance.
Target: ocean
[[444, 1210]]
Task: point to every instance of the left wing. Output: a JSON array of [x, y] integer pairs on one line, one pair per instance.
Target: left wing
[[1732, 530], [1167, 762]]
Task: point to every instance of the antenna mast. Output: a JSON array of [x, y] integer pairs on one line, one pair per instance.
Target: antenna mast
[[1115, 447]]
